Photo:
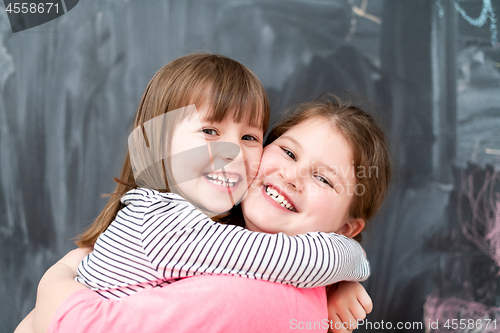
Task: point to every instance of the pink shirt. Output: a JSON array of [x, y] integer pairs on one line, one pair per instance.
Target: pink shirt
[[209, 303]]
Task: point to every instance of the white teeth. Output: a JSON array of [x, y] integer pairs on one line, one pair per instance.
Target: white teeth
[[273, 193], [220, 180]]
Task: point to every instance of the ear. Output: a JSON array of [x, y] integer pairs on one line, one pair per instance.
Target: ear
[[352, 227]]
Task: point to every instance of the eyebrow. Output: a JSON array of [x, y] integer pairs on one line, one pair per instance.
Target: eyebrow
[[328, 168], [295, 142], [337, 174], [209, 121]]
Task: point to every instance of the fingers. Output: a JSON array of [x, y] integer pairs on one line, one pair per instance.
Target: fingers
[[351, 315], [347, 316], [357, 313], [348, 304], [337, 325], [365, 300]]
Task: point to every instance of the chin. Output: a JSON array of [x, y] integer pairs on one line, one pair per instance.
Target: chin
[[217, 210], [265, 223], [271, 231]]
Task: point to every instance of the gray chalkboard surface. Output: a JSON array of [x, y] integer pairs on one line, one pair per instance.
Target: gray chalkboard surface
[[431, 68]]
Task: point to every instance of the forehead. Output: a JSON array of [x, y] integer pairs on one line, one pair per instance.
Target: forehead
[[314, 130], [320, 142], [242, 106], [248, 117]]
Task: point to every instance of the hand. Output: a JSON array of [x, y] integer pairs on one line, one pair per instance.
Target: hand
[[348, 302], [73, 258]]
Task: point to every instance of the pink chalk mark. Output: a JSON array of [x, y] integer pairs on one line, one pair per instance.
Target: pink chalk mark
[[441, 310], [484, 227]]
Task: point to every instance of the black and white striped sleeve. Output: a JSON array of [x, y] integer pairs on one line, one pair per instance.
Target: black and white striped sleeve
[[180, 241]]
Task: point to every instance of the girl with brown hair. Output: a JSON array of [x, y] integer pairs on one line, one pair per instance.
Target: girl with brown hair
[[195, 162], [277, 195]]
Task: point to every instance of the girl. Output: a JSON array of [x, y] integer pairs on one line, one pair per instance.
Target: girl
[[320, 135], [158, 237], [151, 239]]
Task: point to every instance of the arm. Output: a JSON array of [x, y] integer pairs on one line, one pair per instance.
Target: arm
[[56, 285], [191, 244], [26, 326], [164, 237], [348, 302]]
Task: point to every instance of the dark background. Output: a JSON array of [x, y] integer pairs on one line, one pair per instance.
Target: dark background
[[69, 89]]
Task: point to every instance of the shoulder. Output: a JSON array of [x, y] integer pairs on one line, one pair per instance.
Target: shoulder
[[146, 197]]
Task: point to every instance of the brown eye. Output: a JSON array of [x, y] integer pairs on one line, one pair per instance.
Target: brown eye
[[249, 138], [323, 180], [209, 131], [289, 153]]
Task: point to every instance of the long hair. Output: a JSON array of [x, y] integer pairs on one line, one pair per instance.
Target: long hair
[[222, 85]]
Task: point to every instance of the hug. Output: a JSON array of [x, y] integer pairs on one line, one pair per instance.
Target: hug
[[213, 227]]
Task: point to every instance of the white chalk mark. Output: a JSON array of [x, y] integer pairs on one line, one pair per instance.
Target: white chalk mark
[[360, 12], [492, 151]]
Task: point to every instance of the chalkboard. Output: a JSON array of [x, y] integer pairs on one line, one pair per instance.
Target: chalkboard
[[429, 69]]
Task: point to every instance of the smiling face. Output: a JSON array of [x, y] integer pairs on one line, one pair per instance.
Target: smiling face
[[305, 183], [197, 174]]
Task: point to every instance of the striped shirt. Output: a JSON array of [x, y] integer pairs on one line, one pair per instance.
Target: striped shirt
[[160, 237]]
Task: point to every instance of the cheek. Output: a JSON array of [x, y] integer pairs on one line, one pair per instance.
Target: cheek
[[247, 206], [326, 210], [271, 161], [181, 144], [253, 160]]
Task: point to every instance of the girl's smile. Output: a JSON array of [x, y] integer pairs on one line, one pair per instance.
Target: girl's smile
[[223, 179], [280, 197]]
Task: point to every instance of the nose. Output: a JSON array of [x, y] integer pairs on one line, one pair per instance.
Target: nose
[[290, 177], [223, 153]]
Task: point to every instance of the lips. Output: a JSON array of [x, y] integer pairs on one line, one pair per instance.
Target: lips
[[223, 179], [280, 198]]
